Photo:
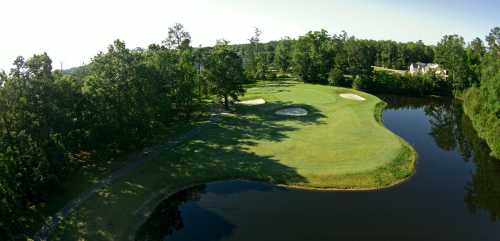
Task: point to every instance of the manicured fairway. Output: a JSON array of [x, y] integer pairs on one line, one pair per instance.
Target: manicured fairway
[[340, 144]]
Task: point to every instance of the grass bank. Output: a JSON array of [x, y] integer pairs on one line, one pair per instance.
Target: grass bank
[[340, 144]]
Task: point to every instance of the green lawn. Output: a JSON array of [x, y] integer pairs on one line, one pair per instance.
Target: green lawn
[[378, 68], [93, 170], [340, 144]]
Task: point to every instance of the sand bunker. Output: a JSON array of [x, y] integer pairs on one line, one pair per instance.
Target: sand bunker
[[352, 97], [252, 102], [292, 111]]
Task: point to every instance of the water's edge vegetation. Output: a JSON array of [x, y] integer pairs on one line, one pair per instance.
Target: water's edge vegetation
[[469, 173], [450, 130], [61, 131], [485, 121], [203, 160]]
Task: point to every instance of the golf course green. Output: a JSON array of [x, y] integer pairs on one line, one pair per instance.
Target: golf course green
[[340, 144]]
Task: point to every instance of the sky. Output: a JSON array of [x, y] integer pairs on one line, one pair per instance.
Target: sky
[[73, 31]]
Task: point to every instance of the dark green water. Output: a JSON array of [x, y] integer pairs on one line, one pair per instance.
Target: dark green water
[[454, 195]]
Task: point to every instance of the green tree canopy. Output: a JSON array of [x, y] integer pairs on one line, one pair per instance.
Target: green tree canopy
[[451, 55], [177, 37], [313, 57], [225, 71], [283, 54]]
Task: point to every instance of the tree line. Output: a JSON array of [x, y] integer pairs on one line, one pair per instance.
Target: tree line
[[472, 69], [340, 59], [54, 123], [482, 101]]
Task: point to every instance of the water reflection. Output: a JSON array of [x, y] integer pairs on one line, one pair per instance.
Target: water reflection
[[483, 192], [167, 220], [453, 130], [455, 194]]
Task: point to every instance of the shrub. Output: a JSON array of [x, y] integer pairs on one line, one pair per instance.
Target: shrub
[[417, 85], [486, 122], [361, 83], [271, 76], [283, 76], [336, 78]]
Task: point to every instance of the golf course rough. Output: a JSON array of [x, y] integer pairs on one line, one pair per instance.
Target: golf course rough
[[340, 144]]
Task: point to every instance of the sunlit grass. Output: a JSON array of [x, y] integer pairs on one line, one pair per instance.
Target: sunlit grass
[[340, 144]]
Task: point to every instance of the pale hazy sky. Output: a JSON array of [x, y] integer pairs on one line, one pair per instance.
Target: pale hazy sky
[[73, 31]]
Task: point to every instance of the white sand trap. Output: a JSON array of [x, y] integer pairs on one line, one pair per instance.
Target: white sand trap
[[252, 102], [292, 111], [352, 97]]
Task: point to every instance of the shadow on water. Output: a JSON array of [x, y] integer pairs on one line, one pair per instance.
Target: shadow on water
[[455, 169], [166, 221], [166, 218], [219, 151], [483, 191], [452, 130], [229, 139], [228, 187]]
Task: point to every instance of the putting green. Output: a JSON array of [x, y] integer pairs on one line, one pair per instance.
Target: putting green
[[339, 144]]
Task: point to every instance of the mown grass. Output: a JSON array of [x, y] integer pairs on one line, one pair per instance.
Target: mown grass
[[341, 144], [379, 68], [95, 168]]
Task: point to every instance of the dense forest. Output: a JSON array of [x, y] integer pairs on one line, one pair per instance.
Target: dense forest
[[53, 123], [473, 69], [482, 101]]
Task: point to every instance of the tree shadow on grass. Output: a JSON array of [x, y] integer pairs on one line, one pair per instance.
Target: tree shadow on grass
[[267, 113], [274, 83], [281, 83], [221, 151]]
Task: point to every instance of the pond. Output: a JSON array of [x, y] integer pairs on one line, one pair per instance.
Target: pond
[[454, 195]]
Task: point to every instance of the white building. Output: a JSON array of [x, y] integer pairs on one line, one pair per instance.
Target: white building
[[423, 68]]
